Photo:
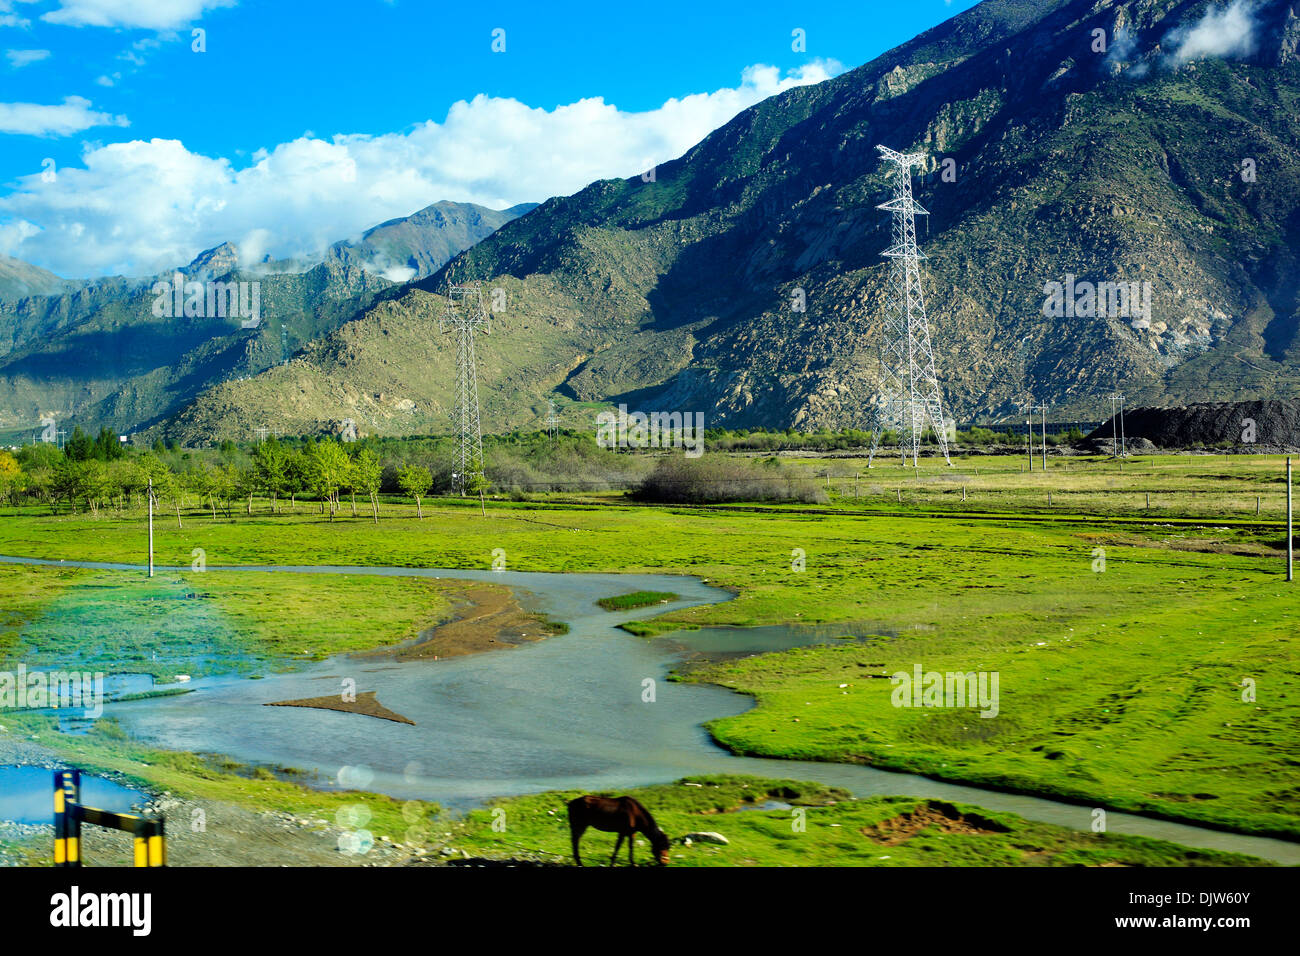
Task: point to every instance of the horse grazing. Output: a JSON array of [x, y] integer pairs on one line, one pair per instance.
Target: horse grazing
[[623, 816]]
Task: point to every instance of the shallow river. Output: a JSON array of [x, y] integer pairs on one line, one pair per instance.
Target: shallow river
[[563, 713]]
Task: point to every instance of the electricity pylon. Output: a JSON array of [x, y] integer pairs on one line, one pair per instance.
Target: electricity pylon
[[1118, 446], [909, 392], [552, 420], [465, 316]]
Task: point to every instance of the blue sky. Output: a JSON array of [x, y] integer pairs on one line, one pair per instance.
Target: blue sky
[[124, 150]]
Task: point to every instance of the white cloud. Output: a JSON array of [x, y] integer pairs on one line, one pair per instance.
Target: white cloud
[[9, 17], [141, 207], [142, 14], [21, 58], [71, 116], [1224, 32]]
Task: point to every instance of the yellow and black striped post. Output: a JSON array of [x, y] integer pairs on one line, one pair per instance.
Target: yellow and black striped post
[[150, 841], [67, 823]]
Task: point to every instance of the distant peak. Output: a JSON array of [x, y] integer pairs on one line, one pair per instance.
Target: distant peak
[[217, 260]]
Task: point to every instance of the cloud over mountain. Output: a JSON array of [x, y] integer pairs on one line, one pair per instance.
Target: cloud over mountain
[[139, 206]]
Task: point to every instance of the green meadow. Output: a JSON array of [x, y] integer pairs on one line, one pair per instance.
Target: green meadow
[[1147, 657], [790, 823]]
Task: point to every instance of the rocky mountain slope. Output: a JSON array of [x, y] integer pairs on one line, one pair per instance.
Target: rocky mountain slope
[[19, 279], [420, 244], [98, 352], [1054, 159]]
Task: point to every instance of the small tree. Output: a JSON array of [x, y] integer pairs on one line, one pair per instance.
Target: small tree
[[367, 471], [11, 476], [247, 482], [328, 470], [79, 445], [107, 447], [297, 477], [478, 484], [270, 462], [415, 481], [96, 484]]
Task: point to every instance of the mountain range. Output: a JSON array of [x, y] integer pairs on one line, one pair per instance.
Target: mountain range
[[1070, 142], [97, 351]]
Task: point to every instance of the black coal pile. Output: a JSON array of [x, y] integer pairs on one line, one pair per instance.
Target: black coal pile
[[1245, 426]]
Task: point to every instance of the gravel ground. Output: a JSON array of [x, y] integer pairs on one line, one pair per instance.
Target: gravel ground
[[202, 833]]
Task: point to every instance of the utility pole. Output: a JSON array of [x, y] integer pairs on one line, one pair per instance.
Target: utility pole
[[1029, 426], [909, 392], [1290, 551], [1043, 409], [1114, 426], [151, 527], [1123, 444]]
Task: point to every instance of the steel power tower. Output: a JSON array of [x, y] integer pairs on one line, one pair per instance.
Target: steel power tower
[[909, 393], [552, 420], [466, 316]]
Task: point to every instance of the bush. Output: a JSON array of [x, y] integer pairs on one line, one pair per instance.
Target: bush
[[703, 480]]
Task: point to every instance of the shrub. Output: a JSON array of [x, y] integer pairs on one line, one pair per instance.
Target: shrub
[[709, 479]]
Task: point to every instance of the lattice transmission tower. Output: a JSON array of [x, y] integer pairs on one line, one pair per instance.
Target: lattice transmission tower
[[909, 393], [552, 420], [466, 316]]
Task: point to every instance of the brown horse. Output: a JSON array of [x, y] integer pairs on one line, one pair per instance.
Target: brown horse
[[623, 816]]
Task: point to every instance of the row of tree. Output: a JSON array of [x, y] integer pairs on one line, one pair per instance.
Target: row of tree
[[324, 471]]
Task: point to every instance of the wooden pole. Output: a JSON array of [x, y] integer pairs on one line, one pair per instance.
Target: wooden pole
[[1290, 551]]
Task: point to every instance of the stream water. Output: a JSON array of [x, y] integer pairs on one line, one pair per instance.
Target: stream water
[[568, 712], [27, 794]]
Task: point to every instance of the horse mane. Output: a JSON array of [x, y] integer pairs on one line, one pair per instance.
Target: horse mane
[[652, 828]]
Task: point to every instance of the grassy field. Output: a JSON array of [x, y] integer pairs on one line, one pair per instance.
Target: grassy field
[[790, 823], [766, 822], [1159, 486], [1127, 642]]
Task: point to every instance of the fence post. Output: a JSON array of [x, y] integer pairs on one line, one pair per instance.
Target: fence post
[[150, 843], [67, 825]]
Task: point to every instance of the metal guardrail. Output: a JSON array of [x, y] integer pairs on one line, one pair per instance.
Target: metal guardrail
[[69, 814]]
